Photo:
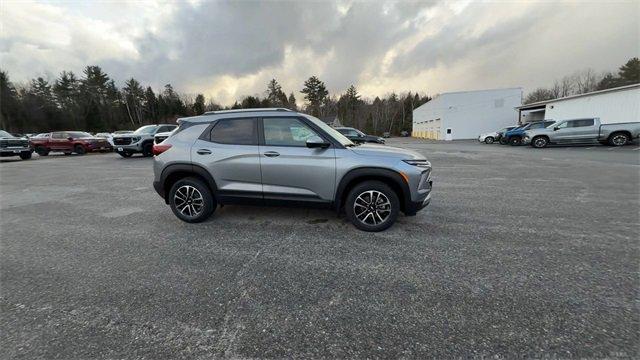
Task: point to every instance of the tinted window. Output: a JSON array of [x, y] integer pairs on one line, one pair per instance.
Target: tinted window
[[235, 131], [537, 126], [348, 132], [166, 128], [286, 132], [78, 135]]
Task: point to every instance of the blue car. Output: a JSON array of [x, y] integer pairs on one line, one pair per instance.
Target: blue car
[[514, 136]]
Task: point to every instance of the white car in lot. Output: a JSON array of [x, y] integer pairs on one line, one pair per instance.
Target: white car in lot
[[107, 136], [490, 138]]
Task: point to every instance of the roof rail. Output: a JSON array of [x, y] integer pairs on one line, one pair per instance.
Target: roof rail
[[245, 110]]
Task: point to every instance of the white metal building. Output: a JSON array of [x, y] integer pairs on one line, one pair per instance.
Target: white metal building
[[621, 104], [466, 114]]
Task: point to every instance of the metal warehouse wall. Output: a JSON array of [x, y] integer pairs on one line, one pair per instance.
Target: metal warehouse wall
[[468, 114], [612, 107]]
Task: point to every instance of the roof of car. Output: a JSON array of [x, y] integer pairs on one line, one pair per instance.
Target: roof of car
[[236, 113]]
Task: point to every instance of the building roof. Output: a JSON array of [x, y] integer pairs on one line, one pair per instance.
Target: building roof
[[481, 90], [540, 104]]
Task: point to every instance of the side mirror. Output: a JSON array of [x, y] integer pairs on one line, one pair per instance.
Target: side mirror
[[317, 142], [555, 128], [70, 138]]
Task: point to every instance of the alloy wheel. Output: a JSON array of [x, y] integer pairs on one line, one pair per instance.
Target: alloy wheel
[[188, 200], [540, 142], [619, 140], [372, 207]]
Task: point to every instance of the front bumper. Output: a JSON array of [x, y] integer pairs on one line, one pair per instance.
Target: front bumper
[[14, 151], [414, 206], [137, 147]]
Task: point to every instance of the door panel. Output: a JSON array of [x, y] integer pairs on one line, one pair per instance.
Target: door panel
[[230, 153], [289, 169], [297, 172]]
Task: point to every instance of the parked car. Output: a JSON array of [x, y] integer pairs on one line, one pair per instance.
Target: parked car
[[386, 134], [489, 138], [107, 136], [583, 131], [14, 146], [122, 132], [140, 141], [69, 142], [278, 156], [514, 136], [160, 137], [358, 136]]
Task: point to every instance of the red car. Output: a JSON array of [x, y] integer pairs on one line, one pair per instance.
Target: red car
[[69, 142]]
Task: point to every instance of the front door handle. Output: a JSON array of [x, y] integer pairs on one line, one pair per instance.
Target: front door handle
[[272, 154], [204, 152]]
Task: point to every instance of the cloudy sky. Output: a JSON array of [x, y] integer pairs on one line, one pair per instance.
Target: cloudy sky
[[229, 49]]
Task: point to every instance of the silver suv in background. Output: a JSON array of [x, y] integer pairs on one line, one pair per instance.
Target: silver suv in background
[[281, 157], [140, 141]]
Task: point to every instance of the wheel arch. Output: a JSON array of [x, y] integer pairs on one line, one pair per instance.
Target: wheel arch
[[174, 172], [387, 176], [616, 132]]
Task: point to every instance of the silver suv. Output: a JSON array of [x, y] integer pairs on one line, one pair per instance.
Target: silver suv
[[139, 141], [281, 157]]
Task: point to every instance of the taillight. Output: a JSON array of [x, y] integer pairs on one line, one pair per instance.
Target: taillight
[[160, 148]]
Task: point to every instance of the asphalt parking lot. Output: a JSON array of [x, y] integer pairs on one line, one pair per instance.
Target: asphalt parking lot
[[522, 253]]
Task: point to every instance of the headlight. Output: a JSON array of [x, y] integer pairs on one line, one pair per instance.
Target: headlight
[[419, 163], [135, 139]]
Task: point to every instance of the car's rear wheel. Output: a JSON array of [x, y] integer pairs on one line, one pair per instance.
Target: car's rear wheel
[[79, 149], [125, 154], [618, 139], [489, 140], [191, 200], [25, 155], [515, 141], [42, 151], [540, 142], [147, 149], [372, 206]]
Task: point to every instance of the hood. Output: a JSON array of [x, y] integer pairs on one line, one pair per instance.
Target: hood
[[489, 134], [386, 151]]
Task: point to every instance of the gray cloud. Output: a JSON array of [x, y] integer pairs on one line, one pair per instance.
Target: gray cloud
[[227, 49]]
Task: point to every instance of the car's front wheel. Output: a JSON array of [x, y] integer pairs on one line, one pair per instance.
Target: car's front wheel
[[125, 154], [79, 149], [42, 151], [372, 206], [191, 200], [147, 149], [489, 140], [515, 141], [25, 155]]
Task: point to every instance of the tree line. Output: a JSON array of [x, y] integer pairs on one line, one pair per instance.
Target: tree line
[[92, 102], [587, 81]]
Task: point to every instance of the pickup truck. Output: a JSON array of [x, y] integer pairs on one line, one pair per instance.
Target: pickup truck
[[583, 131], [69, 142], [514, 136], [14, 146]]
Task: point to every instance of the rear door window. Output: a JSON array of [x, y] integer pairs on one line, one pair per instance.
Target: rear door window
[[235, 131]]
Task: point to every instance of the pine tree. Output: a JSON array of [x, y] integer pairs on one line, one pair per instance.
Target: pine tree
[[292, 102], [315, 94], [198, 105]]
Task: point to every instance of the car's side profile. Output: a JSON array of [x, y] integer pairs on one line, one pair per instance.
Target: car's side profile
[[490, 138], [69, 142], [11, 145], [281, 157]]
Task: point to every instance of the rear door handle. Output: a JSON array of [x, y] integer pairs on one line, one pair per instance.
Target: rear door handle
[[204, 152], [272, 153]]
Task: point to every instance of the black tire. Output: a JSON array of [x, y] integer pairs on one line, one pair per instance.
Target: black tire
[[618, 139], [515, 141], [208, 202], [147, 149], [25, 155], [367, 222], [125, 154], [489, 140], [503, 141], [79, 149], [539, 142], [42, 151]]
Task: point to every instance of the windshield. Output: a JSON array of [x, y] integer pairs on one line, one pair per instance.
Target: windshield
[[149, 129], [360, 132], [5, 134], [331, 131], [79, 134]]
